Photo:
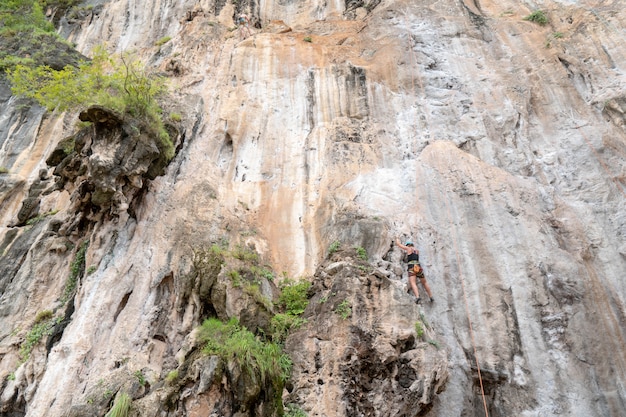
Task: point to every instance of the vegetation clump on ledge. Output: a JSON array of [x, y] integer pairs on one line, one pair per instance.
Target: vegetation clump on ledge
[[122, 85], [232, 342], [44, 67], [28, 38], [538, 16]]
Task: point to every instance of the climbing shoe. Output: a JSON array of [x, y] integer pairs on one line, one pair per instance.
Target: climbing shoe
[[418, 301], [432, 300]]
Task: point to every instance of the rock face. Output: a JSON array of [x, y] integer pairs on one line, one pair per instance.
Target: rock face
[[498, 145], [365, 344]]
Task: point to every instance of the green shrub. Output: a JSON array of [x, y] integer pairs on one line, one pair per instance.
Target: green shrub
[[141, 378], [292, 302], [344, 309], [4, 170], [262, 272], [244, 254], [176, 117], [121, 406], [36, 333], [23, 15], [43, 315], [77, 270], [122, 85], [293, 297], [234, 343], [282, 324], [361, 253], [307, 39], [235, 277], [208, 261], [419, 329], [293, 410], [538, 16], [334, 247]]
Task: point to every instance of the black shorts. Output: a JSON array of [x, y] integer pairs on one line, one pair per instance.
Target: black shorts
[[420, 275]]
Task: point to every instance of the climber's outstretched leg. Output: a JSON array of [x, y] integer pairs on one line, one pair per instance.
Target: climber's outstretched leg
[[413, 285], [426, 287]]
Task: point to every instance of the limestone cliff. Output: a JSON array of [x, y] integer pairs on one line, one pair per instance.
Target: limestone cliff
[[495, 142]]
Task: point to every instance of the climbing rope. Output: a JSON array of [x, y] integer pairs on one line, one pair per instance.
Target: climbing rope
[[448, 209], [467, 310], [456, 249]]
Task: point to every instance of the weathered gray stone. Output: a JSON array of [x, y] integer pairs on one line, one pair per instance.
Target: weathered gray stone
[[494, 143]]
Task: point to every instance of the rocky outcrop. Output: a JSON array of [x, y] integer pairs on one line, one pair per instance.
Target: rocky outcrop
[[367, 348], [105, 166]]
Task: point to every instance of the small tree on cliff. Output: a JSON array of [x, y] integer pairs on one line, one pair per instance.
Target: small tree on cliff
[[123, 85]]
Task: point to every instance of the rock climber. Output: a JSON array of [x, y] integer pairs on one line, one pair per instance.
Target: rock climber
[[415, 270], [244, 26]]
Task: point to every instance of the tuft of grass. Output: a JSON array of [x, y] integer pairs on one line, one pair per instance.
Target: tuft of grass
[[538, 16], [163, 40], [344, 309], [435, 343], [282, 324], [551, 37], [334, 247], [37, 332], [419, 329], [176, 117], [4, 170], [43, 315], [77, 270], [234, 343], [361, 253], [80, 125], [307, 39], [172, 376], [235, 277], [121, 406], [293, 410], [39, 218], [244, 254], [254, 291], [140, 377]]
